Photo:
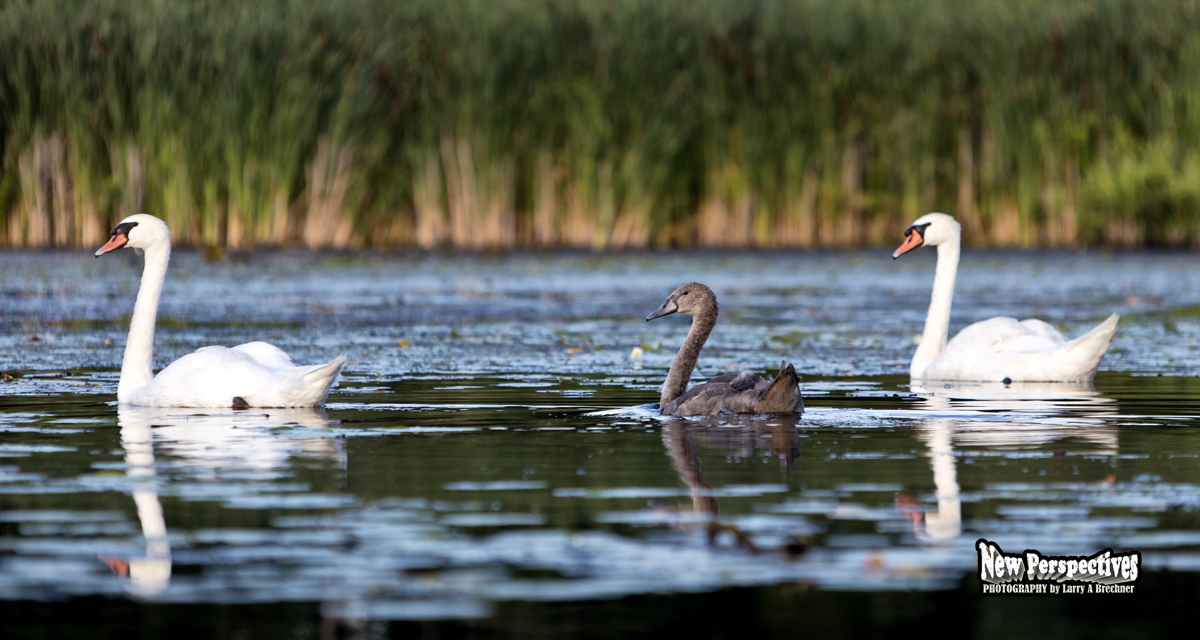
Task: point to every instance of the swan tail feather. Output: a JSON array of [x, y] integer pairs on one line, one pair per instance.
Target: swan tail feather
[[325, 376], [1090, 347], [304, 387], [783, 394], [328, 371]]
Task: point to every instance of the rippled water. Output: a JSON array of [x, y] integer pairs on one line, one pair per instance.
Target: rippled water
[[486, 462]]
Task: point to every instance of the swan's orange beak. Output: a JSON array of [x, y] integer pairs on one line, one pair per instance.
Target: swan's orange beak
[[912, 240], [119, 567], [117, 241], [120, 237]]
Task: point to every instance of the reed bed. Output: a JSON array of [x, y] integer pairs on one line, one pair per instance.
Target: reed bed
[[625, 123]]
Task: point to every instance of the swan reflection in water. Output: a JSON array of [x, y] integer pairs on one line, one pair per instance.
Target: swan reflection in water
[[1035, 413], [745, 436], [1041, 414], [1078, 398], [201, 444]]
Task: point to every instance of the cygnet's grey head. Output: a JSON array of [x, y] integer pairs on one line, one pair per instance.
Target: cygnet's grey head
[[691, 298]]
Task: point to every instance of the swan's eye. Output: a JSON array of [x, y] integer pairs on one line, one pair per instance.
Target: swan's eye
[[123, 228], [918, 229]]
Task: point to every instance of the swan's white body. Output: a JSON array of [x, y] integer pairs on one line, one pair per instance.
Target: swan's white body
[[255, 374], [997, 349], [259, 373]]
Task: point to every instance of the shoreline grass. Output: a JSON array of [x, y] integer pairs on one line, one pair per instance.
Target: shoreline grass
[[624, 124]]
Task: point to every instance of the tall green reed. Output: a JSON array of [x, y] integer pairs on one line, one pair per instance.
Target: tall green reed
[[476, 124]]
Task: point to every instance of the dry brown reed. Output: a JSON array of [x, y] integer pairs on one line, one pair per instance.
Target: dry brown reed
[[627, 124]]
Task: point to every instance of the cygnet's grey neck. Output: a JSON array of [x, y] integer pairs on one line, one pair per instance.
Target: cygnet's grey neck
[[685, 361]]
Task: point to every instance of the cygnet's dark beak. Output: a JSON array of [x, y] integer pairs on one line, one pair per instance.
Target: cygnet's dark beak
[[666, 309]]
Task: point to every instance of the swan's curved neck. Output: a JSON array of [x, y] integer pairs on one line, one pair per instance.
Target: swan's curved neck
[[136, 368], [689, 353], [937, 322]]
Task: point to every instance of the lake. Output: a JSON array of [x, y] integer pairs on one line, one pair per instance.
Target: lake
[[488, 465]]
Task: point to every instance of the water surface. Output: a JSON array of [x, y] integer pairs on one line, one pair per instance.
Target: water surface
[[487, 463]]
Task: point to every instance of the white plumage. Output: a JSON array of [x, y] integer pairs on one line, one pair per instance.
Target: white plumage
[[996, 349], [255, 374]]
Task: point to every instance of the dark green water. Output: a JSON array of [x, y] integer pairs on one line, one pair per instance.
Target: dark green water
[[486, 468]]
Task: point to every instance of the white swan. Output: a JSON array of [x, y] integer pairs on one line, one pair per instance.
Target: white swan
[[998, 349], [254, 374]]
